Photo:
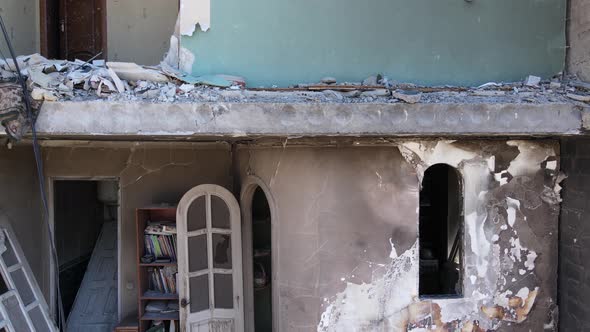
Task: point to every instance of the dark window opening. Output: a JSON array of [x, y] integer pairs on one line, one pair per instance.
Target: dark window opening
[[262, 260], [441, 229], [84, 213]]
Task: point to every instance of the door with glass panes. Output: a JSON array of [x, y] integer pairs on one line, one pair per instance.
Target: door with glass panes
[[209, 261]]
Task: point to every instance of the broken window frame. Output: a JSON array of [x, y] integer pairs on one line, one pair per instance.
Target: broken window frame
[[460, 248]]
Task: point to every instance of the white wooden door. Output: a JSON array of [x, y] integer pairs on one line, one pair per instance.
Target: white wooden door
[[210, 261]]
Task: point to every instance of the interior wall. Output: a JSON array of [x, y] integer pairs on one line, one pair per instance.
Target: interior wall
[[21, 18], [434, 43], [77, 224], [574, 242], [347, 234], [578, 59], [148, 174], [139, 30], [20, 205]]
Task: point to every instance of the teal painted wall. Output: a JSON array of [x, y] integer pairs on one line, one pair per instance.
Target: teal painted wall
[[284, 42]]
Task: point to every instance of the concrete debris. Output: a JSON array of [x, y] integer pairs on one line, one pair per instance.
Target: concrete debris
[[532, 81], [489, 93], [410, 97], [376, 93], [116, 80], [133, 72], [121, 81], [577, 97], [329, 80], [42, 94], [371, 80]]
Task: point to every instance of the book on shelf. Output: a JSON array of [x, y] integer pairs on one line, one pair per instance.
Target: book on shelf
[[162, 279], [160, 241]]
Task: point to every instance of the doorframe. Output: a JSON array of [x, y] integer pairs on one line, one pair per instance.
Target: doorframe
[[43, 43], [249, 186], [51, 206]]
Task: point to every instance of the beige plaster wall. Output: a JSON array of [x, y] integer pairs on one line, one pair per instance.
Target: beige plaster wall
[[21, 18], [20, 204], [148, 174], [139, 30], [579, 39], [347, 228]]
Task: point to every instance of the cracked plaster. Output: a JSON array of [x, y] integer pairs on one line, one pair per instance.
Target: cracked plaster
[[148, 173]]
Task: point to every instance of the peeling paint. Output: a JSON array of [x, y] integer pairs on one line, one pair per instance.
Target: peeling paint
[[378, 305], [193, 13]]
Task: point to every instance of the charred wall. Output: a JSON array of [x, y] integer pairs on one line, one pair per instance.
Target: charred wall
[[574, 242], [148, 174], [347, 228]]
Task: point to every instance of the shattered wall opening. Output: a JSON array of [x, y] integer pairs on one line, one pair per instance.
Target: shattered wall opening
[[440, 232]]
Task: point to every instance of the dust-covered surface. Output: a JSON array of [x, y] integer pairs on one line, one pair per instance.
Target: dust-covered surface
[[350, 262], [60, 80]]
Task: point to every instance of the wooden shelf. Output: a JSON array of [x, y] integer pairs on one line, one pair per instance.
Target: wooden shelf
[[158, 264], [143, 215], [160, 316]]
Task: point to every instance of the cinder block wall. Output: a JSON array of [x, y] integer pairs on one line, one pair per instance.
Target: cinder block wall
[[574, 243]]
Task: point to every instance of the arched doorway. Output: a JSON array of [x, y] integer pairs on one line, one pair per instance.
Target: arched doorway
[[441, 229]]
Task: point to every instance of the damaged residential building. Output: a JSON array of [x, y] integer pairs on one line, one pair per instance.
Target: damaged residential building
[[202, 165]]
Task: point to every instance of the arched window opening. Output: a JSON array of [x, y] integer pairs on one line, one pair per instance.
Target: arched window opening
[[262, 260], [441, 229]]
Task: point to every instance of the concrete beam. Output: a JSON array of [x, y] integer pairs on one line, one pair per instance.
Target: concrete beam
[[135, 119]]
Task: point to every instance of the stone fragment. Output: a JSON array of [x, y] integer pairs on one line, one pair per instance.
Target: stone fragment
[[42, 94], [333, 94], [580, 85], [133, 72], [352, 94], [328, 80], [186, 88], [371, 80], [410, 97], [554, 85], [376, 93], [118, 83], [532, 80], [582, 98]]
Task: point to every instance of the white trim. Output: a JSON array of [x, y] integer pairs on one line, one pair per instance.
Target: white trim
[[187, 319], [249, 186]]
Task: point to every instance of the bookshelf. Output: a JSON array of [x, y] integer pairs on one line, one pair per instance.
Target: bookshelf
[[142, 217]]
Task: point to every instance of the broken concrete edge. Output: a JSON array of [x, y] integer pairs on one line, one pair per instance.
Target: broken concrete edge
[[222, 119]]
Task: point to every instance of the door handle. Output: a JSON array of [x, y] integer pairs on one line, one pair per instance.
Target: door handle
[[184, 303], [62, 25]]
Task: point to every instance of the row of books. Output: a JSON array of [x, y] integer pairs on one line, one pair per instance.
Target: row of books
[[161, 247], [163, 279]]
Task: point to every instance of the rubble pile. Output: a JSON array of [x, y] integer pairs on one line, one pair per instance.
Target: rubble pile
[[52, 80]]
